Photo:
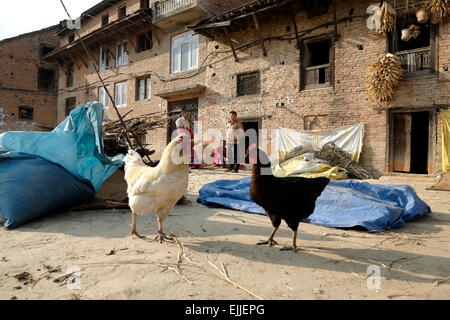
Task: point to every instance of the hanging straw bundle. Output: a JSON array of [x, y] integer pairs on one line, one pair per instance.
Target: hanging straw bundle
[[441, 6], [387, 19], [383, 77], [414, 31]]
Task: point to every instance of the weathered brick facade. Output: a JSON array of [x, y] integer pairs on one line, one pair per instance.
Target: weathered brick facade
[[20, 60], [281, 102]]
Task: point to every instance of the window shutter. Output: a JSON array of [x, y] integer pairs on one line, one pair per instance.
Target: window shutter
[[149, 88], [142, 89]]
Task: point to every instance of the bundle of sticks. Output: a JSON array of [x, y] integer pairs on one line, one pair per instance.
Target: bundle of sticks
[[338, 157], [114, 134]]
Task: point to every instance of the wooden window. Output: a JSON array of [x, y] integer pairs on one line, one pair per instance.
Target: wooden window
[[317, 62], [103, 97], [145, 42], [105, 20], [122, 12], [69, 75], [122, 54], [143, 88], [120, 94], [70, 104], [46, 49], [25, 113], [104, 58], [46, 79], [145, 4], [184, 52], [248, 83], [418, 55], [71, 38]]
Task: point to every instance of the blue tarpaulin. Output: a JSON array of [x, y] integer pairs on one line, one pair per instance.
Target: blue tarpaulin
[[76, 145], [343, 203], [41, 173]]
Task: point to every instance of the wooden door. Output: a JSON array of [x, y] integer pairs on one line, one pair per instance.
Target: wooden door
[[402, 142]]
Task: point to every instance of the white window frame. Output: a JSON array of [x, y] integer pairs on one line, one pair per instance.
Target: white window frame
[[120, 94], [122, 54], [145, 91], [187, 40], [104, 64], [103, 96]]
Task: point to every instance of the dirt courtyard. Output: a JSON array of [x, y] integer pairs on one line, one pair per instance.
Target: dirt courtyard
[[93, 250]]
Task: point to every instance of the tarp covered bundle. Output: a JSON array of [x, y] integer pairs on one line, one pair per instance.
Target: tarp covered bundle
[[348, 138], [43, 172], [343, 203]]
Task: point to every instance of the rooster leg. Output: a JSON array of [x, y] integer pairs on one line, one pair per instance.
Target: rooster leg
[[133, 227], [294, 244], [270, 241], [161, 237]]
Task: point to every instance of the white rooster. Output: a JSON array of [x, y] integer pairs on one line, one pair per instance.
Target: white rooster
[[156, 190]]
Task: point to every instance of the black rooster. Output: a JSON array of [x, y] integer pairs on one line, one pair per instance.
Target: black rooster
[[291, 199]]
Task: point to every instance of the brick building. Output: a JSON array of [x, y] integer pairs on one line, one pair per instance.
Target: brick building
[[295, 64], [28, 83]]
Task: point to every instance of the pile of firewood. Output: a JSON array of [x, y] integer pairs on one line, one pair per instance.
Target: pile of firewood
[[114, 134], [383, 76]]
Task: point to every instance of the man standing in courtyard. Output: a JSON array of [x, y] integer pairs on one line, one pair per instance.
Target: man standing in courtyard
[[235, 135]]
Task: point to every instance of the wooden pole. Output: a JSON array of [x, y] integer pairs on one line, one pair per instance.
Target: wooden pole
[[230, 43], [261, 41]]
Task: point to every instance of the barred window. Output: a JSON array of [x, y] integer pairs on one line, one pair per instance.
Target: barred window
[[248, 83], [46, 79]]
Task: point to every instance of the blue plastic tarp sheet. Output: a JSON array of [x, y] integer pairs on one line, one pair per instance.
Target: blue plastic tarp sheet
[[343, 203], [76, 145]]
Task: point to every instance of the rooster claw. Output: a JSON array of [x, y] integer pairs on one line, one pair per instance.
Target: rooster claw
[[134, 233], [161, 237], [268, 242]]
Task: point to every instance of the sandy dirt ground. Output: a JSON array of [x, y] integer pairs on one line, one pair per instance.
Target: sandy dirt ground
[[104, 262]]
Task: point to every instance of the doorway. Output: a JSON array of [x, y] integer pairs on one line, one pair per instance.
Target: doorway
[[174, 111], [250, 124], [411, 137]]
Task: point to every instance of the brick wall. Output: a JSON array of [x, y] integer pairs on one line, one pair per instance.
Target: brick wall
[[20, 61]]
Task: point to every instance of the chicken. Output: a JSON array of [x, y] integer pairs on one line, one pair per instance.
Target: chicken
[[156, 190], [290, 199]]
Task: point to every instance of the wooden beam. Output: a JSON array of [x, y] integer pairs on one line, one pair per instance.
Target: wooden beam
[[213, 25], [230, 43], [261, 41], [291, 9]]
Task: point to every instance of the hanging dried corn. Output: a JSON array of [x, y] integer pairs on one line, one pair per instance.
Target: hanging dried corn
[[414, 31], [441, 6], [387, 19], [383, 76]]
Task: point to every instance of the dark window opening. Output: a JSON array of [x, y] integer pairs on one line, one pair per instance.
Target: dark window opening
[[70, 105], [416, 54], [46, 79], [46, 49], [248, 84], [145, 42], [317, 70], [25, 113], [105, 20], [145, 4], [122, 12], [69, 79], [71, 38]]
